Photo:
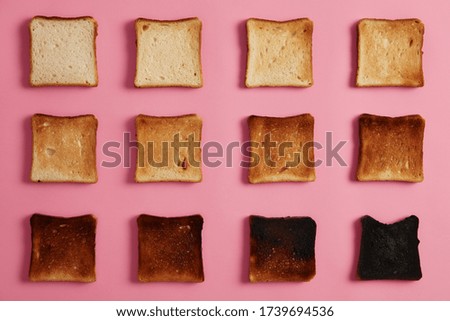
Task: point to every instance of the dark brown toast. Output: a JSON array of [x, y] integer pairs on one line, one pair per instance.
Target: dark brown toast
[[170, 249], [63, 249], [282, 249]]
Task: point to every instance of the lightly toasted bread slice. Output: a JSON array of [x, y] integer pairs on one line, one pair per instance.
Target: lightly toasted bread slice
[[168, 53], [279, 53], [390, 53]]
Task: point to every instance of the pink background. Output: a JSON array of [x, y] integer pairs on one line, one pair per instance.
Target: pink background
[[224, 198]]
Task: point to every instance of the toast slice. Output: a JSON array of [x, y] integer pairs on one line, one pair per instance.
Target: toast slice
[[282, 249], [64, 149], [279, 53], [389, 251], [282, 149], [170, 249], [391, 148], [390, 53], [63, 51], [63, 249], [168, 53], [168, 149]]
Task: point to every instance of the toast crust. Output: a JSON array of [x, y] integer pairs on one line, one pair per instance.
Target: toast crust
[[390, 53], [282, 249], [391, 148], [64, 149], [187, 33], [291, 157], [170, 249], [63, 249], [36, 83], [279, 53], [158, 159]]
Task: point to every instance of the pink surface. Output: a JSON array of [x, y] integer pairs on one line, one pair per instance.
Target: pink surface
[[224, 198]]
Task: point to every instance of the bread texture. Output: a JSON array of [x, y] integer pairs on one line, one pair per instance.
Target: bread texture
[[391, 148], [279, 53], [390, 53], [282, 249], [281, 149], [168, 149], [64, 149], [389, 251], [170, 249], [168, 53], [63, 51], [63, 249]]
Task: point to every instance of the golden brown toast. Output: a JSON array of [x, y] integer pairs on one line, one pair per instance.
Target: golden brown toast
[[291, 159], [391, 148], [158, 160], [64, 149]]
